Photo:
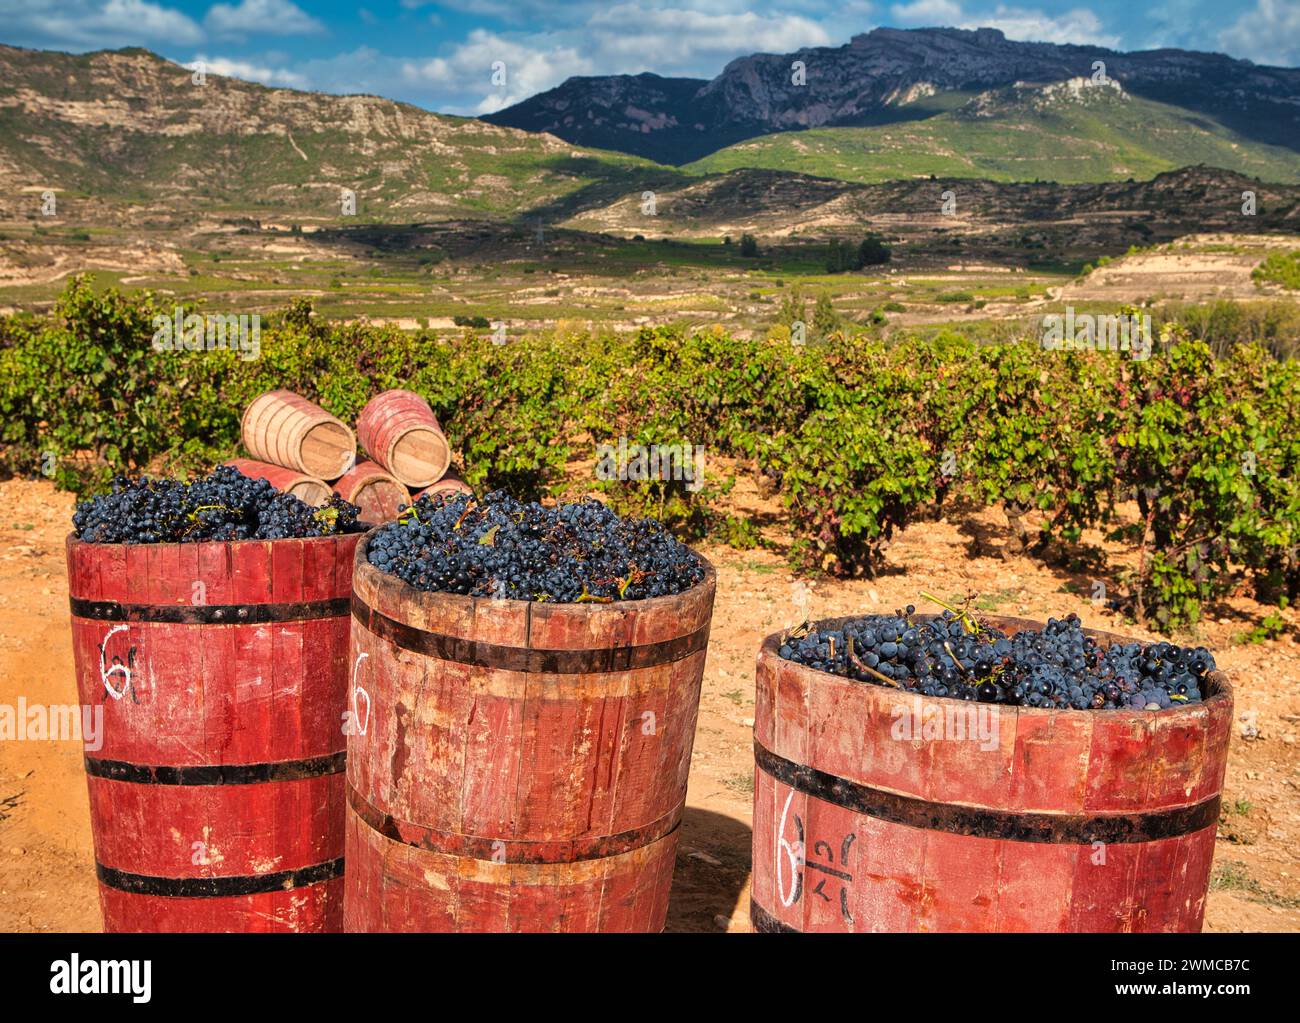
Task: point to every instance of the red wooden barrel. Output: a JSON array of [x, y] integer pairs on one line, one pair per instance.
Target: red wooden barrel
[[375, 492], [517, 766], [286, 429], [216, 799], [399, 431], [449, 486], [874, 810], [288, 481]]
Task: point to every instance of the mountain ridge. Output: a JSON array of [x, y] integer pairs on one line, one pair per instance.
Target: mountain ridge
[[125, 135], [131, 125], [860, 82]]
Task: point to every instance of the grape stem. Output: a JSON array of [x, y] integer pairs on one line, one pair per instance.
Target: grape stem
[[967, 622], [856, 661], [960, 667], [634, 576], [208, 507], [193, 516], [469, 505]]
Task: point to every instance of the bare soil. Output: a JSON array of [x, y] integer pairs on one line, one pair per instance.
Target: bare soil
[[1196, 268], [47, 880]]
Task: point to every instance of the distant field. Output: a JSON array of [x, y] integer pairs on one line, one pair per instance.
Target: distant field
[[418, 278]]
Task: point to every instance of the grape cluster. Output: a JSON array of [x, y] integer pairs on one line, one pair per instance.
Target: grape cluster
[[499, 547], [955, 656], [224, 505]]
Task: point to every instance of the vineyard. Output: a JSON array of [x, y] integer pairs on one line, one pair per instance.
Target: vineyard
[[1188, 459]]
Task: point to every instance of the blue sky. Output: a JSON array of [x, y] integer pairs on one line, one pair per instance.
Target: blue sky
[[440, 54]]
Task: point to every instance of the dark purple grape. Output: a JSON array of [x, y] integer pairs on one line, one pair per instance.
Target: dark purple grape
[[499, 547], [223, 505], [1058, 666]]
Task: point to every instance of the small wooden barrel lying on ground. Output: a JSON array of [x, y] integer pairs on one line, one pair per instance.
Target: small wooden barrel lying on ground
[[288, 481], [517, 766], [881, 810], [286, 429], [449, 486], [399, 431], [374, 491], [216, 797]]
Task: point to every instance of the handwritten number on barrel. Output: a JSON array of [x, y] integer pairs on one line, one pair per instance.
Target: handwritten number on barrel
[[794, 855], [107, 671], [822, 848], [353, 724]]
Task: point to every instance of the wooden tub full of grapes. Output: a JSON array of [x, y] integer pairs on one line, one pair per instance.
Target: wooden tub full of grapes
[[220, 668], [517, 764], [1060, 804]]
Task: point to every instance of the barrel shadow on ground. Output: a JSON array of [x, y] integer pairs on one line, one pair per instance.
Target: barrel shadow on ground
[[711, 874]]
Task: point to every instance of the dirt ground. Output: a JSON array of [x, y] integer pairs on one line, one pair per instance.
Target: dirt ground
[[1198, 268], [47, 880]]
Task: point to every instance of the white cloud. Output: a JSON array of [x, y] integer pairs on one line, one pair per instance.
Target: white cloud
[[251, 72], [261, 17], [529, 68], [928, 12], [96, 24], [625, 39], [1178, 23], [1270, 34], [1079, 25], [666, 39]]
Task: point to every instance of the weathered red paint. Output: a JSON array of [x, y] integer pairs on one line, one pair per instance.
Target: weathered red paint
[[377, 493], [201, 695], [820, 865], [496, 799], [399, 431]]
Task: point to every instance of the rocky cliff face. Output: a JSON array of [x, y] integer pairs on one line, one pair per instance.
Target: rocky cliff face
[[658, 118], [881, 76]]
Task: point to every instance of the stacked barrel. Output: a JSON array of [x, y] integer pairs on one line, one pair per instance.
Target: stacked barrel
[[301, 449], [296, 446], [402, 436], [306, 488], [400, 432]]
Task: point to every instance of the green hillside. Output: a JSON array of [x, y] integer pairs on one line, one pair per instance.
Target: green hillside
[[127, 126], [1018, 134]]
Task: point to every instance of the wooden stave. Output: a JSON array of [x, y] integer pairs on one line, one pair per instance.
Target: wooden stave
[[364, 476], [311, 489], [450, 484]]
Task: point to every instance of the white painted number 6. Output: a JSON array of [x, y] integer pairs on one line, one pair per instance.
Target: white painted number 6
[[794, 855], [106, 670], [360, 729]]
